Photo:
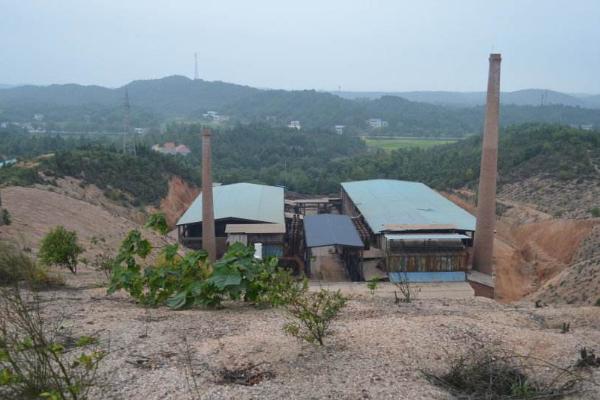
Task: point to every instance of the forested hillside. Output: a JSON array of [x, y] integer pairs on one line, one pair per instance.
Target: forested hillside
[[554, 151], [75, 108], [313, 162]]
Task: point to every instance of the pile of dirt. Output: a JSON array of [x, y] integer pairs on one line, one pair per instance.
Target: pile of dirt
[[180, 196]]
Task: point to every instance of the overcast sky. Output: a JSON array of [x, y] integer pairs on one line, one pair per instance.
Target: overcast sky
[[304, 44]]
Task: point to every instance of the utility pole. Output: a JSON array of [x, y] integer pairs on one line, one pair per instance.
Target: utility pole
[[129, 139]]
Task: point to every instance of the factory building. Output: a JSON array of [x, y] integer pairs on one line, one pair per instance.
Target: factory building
[[410, 228], [244, 212]]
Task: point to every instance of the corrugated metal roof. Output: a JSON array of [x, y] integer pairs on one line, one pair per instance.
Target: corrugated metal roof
[[330, 229], [255, 228], [247, 201], [392, 202], [427, 236]]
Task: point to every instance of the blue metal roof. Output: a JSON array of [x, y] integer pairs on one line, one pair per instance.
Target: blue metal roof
[[392, 202], [247, 201], [330, 229]]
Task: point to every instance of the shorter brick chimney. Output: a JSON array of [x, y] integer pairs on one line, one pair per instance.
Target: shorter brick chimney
[[209, 243]]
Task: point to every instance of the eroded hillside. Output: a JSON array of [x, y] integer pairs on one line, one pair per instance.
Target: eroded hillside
[[35, 211]]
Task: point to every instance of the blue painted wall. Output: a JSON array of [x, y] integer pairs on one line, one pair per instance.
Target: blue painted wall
[[415, 277]]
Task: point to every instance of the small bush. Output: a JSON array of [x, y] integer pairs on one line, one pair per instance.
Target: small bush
[[493, 374], [104, 264], [407, 290], [597, 302], [595, 212], [5, 218], [16, 266], [372, 285], [34, 363], [60, 247], [313, 314]]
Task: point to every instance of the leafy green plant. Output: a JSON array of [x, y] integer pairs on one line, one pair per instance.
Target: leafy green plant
[[372, 285], [34, 362], [595, 212], [60, 247], [181, 281], [158, 222], [313, 314]]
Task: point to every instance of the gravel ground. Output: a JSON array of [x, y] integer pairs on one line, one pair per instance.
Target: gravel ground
[[377, 351]]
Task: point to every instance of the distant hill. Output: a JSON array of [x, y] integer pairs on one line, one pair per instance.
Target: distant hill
[[170, 96], [77, 108], [5, 86], [527, 97]]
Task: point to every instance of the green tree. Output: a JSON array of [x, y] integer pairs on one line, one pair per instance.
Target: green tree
[[60, 247]]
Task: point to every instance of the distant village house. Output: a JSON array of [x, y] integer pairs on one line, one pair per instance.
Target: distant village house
[[377, 123], [294, 125], [172, 148]]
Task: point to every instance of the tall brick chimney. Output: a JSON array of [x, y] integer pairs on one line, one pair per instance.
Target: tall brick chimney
[[483, 247], [208, 216]]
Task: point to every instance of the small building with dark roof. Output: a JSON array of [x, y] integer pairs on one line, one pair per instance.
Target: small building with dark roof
[[331, 241]]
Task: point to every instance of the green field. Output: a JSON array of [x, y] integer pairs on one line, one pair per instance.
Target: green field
[[395, 143]]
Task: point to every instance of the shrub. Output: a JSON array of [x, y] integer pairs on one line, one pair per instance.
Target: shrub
[[313, 314], [16, 266], [493, 374], [372, 285], [595, 212], [34, 363], [104, 264], [5, 217], [158, 222], [181, 281], [407, 290], [598, 302], [60, 247]]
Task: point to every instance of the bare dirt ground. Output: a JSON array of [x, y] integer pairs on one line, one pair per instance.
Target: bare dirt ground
[[533, 248], [35, 211], [377, 351], [180, 196]]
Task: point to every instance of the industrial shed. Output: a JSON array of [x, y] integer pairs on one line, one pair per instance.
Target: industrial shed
[[270, 236], [411, 228], [331, 240], [234, 205]]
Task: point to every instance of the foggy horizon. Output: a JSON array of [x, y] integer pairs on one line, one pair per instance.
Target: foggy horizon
[[361, 46]]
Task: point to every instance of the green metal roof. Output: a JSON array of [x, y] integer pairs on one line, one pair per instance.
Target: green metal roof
[[247, 201], [392, 202]]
